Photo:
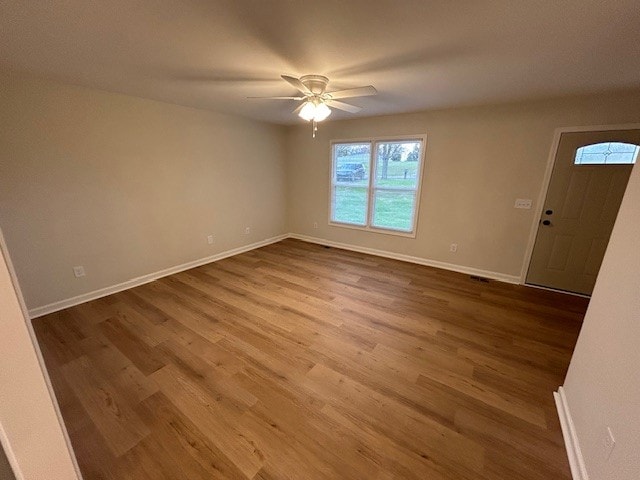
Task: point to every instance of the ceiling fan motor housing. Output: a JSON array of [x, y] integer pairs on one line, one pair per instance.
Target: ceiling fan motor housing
[[317, 84]]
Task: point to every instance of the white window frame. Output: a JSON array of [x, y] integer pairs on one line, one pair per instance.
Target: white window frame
[[371, 188]]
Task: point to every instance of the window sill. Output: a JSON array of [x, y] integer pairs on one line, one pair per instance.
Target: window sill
[[363, 228]]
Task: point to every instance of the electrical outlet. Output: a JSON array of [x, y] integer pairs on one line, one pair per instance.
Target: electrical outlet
[[78, 271], [247, 230], [210, 239], [453, 248], [315, 224], [609, 443], [523, 203]]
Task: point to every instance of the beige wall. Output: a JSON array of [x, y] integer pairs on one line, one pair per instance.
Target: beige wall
[[126, 186], [478, 161], [29, 422], [603, 385]]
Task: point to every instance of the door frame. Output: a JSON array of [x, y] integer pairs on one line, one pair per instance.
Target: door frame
[[542, 196], [51, 417]]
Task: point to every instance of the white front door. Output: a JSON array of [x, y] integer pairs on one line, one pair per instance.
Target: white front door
[[589, 178]]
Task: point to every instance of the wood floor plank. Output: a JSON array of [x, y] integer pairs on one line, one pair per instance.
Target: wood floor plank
[[149, 332], [296, 361], [216, 416], [419, 434], [138, 353], [298, 419], [171, 428], [113, 417], [96, 460]]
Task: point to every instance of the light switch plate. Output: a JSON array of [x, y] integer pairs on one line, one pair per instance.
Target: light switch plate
[[523, 203]]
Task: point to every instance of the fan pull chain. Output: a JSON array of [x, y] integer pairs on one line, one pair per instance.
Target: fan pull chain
[[314, 128]]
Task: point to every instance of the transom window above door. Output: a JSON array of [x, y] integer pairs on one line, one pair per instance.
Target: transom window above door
[[607, 153], [375, 184]]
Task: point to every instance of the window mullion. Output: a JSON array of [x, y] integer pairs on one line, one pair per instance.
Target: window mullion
[[372, 173]]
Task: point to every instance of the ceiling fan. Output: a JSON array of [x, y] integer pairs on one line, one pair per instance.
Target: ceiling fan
[[316, 101]]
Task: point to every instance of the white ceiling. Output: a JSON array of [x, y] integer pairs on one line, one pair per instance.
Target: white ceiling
[[419, 54]]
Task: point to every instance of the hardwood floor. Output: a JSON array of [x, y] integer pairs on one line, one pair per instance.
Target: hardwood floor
[[297, 361]]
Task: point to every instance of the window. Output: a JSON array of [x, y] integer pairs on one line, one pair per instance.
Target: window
[[375, 184], [608, 153]]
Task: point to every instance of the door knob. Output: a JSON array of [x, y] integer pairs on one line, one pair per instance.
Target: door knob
[[546, 222]]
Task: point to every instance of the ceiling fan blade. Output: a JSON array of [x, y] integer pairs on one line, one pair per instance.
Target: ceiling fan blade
[[343, 106], [354, 92], [297, 110], [296, 83], [280, 98]]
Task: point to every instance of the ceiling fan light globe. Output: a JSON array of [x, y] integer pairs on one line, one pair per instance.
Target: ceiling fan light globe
[[308, 112], [322, 112]]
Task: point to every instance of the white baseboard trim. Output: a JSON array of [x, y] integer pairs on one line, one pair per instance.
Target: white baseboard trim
[[515, 279], [134, 282], [576, 460]]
